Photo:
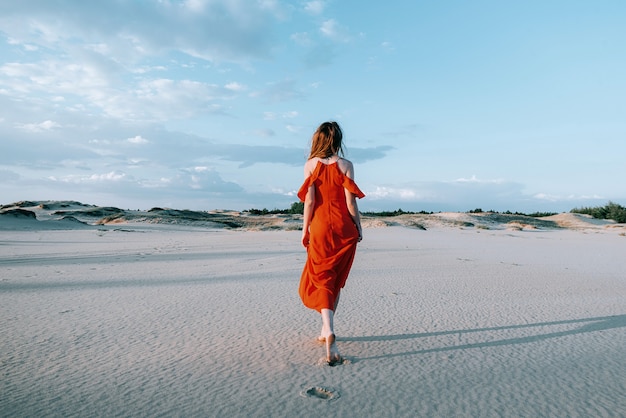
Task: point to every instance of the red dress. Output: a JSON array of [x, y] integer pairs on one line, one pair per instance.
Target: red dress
[[333, 237]]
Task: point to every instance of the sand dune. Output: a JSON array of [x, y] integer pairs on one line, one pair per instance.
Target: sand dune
[[462, 316], [65, 214]]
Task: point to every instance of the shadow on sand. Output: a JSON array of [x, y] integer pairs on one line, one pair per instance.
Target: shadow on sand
[[586, 325]]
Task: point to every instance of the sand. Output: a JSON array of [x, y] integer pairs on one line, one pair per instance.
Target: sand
[[142, 319]]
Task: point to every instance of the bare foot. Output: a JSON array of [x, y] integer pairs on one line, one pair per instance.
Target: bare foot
[[322, 337], [332, 353]]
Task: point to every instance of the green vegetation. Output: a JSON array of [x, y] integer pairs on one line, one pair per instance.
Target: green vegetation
[[297, 208], [508, 212], [395, 213], [609, 211], [532, 215]]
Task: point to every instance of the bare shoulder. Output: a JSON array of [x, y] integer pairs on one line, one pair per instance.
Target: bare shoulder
[[309, 166], [346, 167]]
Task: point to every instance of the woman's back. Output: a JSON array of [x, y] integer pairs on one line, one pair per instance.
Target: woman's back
[[331, 216]]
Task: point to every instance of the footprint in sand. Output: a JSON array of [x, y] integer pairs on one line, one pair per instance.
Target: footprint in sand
[[318, 392], [322, 362]]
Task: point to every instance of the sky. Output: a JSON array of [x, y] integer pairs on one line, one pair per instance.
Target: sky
[[211, 104]]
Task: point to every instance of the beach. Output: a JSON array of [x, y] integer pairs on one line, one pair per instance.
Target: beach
[[441, 316]]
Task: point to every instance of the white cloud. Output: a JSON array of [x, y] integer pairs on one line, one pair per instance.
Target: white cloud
[[461, 194], [234, 86], [205, 178], [57, 79], [290, 115], [331, 29], [113, 176], [148, 69], [469, 193], [100, 141], [559, 198], [91, 61], [293, 128], [473, 179], [137, 140], [314, 7], [388, 46], [284, 115], [39, 127], [164, 99], [195, 5], [160, 183], [136, 162], [215, 30], [394, 193]]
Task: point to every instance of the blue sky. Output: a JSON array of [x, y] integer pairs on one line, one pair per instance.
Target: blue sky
[[211, 104]]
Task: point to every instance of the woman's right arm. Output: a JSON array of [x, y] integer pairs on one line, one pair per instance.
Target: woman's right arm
[[353, 208]]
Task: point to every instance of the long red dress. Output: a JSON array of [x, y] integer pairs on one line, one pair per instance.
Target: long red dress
[[333, 237]]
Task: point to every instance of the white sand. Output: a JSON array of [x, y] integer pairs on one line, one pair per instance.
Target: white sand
[[448, 322]]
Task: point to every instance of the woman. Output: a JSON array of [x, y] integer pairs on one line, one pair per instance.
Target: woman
[[331, 228]]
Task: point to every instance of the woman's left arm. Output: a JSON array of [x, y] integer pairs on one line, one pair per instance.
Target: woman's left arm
[[309, 204]]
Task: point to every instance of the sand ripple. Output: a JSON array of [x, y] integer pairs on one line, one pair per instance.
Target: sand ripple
[[157, 321]]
